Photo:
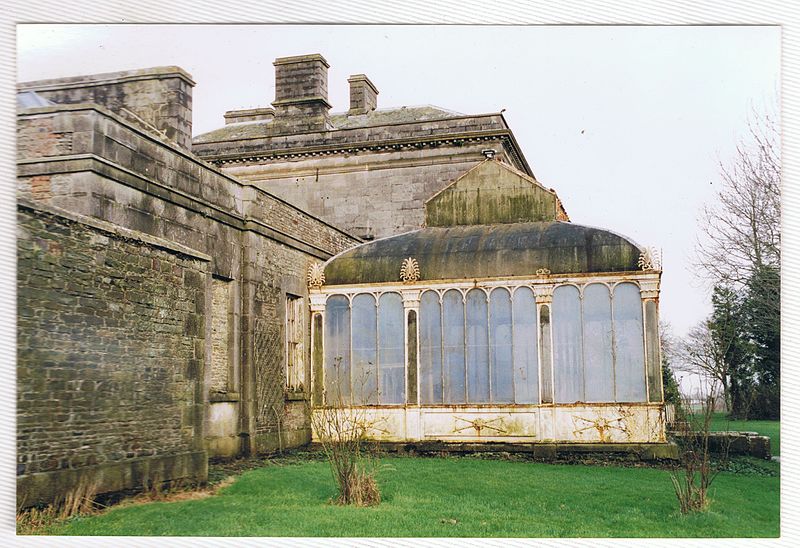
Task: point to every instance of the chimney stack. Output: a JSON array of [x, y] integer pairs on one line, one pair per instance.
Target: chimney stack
[[301, 94], [363, 95]]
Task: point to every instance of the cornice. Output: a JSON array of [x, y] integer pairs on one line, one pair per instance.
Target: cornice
[[504, 136]]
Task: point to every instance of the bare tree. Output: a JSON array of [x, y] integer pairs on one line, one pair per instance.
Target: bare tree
[[740, 343], [702, 353], [743, 228]]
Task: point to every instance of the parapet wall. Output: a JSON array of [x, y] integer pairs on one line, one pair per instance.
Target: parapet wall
[[157, 98]]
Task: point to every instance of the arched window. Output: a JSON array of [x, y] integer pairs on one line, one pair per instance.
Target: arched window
[[391, 349], [337, 350], [526, 349], [500, 344], [477, 347], [364, 376], [629, 343], [430, 348], [567, 345], [453, 347], [597, 344]]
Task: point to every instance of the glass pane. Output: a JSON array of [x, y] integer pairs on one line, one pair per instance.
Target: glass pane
[[337, 350], [629, 343], [597, 352], [453, 323], [430, 348], [526, 358], [364, 376], [502, 367], [477, 347], [567, 345], [391, 355]]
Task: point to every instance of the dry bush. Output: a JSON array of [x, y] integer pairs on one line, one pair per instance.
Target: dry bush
[[341, 430], [80, 500], [694, 475]]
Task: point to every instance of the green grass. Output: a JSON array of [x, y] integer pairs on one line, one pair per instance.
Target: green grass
[[765, 428], [452, 497]]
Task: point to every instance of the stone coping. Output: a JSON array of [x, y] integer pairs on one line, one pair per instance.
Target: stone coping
[[71, 82], [112, 229]]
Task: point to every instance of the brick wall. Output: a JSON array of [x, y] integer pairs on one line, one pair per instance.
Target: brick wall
[[111, 343]]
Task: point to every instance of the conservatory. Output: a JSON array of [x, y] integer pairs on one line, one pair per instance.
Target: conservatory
[[499, 321]]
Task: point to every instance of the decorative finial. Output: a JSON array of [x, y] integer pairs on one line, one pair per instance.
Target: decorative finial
[[409, 271], [650, 259], [316, 275]]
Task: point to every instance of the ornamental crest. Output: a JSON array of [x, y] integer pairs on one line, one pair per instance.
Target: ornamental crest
[[409, 271], [542, 272], [316, 275], [650, 259]]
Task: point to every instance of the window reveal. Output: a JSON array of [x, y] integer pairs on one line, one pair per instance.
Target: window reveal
[[295, 348]]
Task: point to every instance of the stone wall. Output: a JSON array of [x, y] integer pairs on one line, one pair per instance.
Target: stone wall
[[91, 162], [111, 355], [371, 195], [273, 272]]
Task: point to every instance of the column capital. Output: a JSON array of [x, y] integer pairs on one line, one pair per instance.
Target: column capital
[[543, 293], [649, 289], [317, 301], [410, 298]]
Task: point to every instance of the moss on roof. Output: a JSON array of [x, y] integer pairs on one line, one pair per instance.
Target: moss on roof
[[486, 251], [380, 117]]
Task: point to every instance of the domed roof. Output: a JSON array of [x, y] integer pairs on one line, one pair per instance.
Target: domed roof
[[486, 251]]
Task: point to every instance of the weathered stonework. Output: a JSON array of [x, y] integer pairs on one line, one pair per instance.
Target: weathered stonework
[[108, 168], [220, 335], [160, 98]]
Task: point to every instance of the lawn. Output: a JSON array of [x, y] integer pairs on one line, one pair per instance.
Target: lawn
[[451, 497], [765, 428]]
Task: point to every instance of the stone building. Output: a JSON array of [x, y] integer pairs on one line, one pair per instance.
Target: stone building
[[164, 311], [367, 170]]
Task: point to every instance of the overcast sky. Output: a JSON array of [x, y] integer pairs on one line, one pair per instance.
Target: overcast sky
[[628, 124]]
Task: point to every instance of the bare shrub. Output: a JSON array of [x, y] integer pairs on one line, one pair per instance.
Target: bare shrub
[[80, 500], [341, 429], [693, 477]]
